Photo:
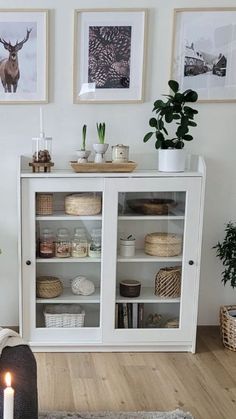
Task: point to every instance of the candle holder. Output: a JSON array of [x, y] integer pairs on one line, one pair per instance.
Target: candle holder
[[41, 154]]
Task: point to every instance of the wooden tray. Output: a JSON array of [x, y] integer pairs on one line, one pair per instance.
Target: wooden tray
[[151, 206], [103, 167]]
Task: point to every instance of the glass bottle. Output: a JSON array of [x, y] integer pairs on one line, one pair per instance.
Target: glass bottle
[[63, 243], [95, 245], [46, 244], [79, 245], [41, 149]]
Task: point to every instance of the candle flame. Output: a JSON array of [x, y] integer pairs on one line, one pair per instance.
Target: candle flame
[[8, 379]]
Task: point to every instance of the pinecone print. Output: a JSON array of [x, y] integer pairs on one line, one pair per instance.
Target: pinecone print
[[107, 55], [100, 77], [109, 33]]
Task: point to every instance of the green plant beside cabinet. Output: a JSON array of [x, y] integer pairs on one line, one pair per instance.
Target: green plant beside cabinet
[[226, 251]]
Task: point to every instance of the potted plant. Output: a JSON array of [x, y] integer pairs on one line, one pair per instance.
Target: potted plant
[[83, 154], [226, 251], [173, 111], [101, 147]]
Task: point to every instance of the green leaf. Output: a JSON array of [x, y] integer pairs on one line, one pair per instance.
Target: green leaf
[[179, 97], [159, 104], [192, 124], [176, 116], [165, 130], [189, 110], [190, 96], [160, 124], [169, 117], [153, 122], [179, 145], [188, 137], [148, 136], [158, 144], [174, 85], [160, 136], [181, 131]]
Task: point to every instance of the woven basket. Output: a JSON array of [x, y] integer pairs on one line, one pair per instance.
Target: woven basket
[[228, 327], [48, 287], [44, 204], [83, 204], [172, 324], [163, 244], [64, 315], [168, 282]]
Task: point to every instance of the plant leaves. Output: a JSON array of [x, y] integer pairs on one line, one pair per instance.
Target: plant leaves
[[160, 136], [153, 122], [181, 131], [192, 124], [148, 136], [159, 104], [188, 137], [158, 144], [174, 85], [190, 96], [169, 117]]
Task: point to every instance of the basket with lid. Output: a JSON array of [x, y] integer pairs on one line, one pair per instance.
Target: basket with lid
[[48, 287], [163, 244]]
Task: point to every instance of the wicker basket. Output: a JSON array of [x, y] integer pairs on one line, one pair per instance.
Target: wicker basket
[[83, 204], [64, 315], [228, 326], [168, 282], [48, 287], [163, 244], [44, 203], [172, 324]]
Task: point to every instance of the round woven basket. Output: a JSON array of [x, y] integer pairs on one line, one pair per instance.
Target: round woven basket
[[168, 282], [163, 244], [228, 326], [83, 204], [44, 203], [48, 287]]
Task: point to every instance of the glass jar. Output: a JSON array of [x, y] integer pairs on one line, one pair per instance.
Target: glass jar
[[46, 244], [63, 243], [79, 245], [42, 149], [95, 245]]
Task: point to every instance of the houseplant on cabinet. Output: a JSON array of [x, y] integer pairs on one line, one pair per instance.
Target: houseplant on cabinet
[[83, 154], [226, 251], [101, 147], [173, 111]]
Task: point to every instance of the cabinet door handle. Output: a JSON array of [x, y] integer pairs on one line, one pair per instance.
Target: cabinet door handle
[[28, 262], [191, 262]]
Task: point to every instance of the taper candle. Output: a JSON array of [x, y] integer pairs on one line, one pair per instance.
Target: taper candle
[[41, 121], [8, 406]]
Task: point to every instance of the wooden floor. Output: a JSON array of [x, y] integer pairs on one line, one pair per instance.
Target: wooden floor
[[204, 383]]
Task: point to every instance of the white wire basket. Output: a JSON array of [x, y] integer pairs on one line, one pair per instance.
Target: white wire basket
[[64, 315]]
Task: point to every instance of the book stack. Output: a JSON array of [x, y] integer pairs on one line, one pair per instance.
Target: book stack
[[129, 315]]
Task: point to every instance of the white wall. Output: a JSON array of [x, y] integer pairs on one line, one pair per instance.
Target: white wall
[[215, 139]]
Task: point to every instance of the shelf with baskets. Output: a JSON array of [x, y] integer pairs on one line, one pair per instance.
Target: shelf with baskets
[[160, 216]]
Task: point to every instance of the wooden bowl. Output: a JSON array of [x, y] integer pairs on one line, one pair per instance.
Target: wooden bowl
[[151, 206]]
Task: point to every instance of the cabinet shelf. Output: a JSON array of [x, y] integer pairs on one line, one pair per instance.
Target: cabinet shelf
[[68, 297], [69, 260], [179, 215], [61, 216], [146, 296], [141, 256]]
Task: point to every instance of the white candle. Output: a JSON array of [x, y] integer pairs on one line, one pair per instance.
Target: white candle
[[41, 121], [8, 407]]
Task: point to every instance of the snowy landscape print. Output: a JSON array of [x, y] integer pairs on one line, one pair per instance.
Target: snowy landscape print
[[15, 34], [205, 53]]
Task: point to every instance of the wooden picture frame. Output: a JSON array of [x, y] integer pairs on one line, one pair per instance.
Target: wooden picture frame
[[109, 55], [204, 52], [24, 56]]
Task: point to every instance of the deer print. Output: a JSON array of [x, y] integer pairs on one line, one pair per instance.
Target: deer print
[[9, 67]]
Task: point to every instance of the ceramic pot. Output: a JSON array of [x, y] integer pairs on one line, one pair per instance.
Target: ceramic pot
[[100, 150], [171, 160], [83, 156]]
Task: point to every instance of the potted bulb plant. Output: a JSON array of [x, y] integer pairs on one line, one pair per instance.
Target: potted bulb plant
[[173, 111], [226, 251], [101, 147], [83, 154]]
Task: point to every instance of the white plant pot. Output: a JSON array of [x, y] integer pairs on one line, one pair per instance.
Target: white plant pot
[[100, 150], [83, 156], [171, 160]]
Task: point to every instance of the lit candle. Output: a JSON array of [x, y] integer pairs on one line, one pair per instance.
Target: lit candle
[[41, 121], [8, 407]]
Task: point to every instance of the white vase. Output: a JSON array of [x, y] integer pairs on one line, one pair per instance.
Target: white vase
[[171, 160], [83, 156], [100, 150]]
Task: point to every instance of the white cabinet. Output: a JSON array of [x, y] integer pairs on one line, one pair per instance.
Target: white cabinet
[[113, 322]]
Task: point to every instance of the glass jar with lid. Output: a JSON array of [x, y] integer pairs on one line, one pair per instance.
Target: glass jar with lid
[[46, 244], [41, 149], [95, 245], [79, 245], [63, 243]]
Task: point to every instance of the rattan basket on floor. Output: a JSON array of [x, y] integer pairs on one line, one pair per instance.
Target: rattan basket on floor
[[228, 326], [168, 282]]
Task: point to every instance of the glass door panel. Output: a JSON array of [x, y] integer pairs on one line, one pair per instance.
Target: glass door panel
[[150, 241]]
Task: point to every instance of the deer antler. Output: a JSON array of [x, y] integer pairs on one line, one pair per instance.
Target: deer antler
[[7, 45], [19, 45]]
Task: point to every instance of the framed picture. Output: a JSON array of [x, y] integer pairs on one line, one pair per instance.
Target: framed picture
[[109, 51], [204, 52], [23, 56]]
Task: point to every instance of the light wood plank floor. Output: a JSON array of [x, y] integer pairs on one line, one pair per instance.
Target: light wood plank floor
[[204, 383]]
